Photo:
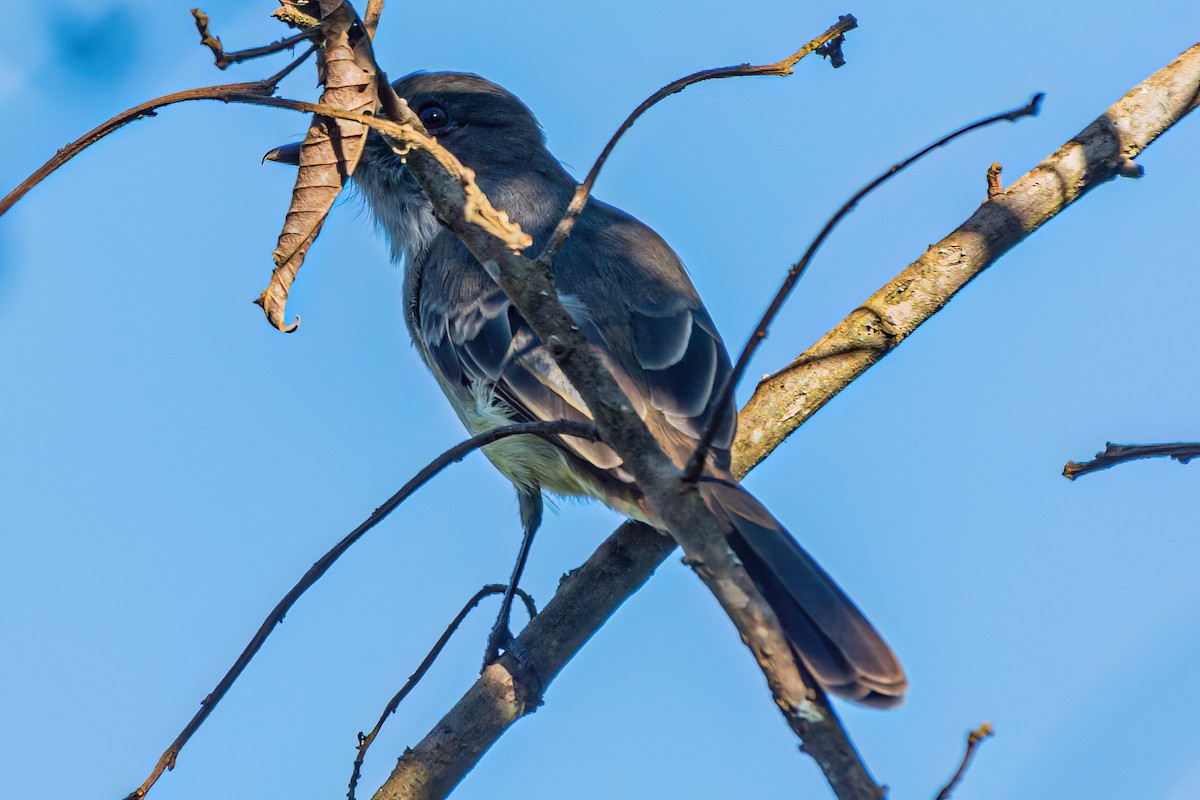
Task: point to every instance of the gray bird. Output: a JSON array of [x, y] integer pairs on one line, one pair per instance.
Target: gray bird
[[630, 296]]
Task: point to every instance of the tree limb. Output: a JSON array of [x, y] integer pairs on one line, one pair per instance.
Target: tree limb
[[725, 392], [1099, 153]]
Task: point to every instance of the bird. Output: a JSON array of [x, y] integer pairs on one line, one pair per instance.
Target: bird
[[630, 296]]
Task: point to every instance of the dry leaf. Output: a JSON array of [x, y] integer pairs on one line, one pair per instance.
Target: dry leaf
[[330, 150]]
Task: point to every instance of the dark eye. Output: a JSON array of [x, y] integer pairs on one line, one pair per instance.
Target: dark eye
[[434, 118]]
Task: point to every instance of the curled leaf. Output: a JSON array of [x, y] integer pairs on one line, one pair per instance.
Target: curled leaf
[[330, 151]]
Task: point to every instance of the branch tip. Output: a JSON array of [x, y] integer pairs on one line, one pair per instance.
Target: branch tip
[[781, 68], [974, 739], [833, 48], [1115, 454]]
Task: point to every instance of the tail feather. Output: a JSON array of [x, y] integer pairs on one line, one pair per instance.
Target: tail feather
[[827, 631]]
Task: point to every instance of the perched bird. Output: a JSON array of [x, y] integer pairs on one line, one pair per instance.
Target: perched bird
[[630, 296]]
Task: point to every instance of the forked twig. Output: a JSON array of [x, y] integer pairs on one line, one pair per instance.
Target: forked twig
[[223, 59], [364, 741], [546, 430], [974, 739], [1114, 454], [725, 396], [781, 69]]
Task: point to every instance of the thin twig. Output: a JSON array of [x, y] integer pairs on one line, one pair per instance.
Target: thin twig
[[1114, 454], [696, 463], [224, 93], [224, 59], [547, 430], [974, 739], [781, 68], [364, 741]]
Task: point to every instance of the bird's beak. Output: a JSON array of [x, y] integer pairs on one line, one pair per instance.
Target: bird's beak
[[284, 154]]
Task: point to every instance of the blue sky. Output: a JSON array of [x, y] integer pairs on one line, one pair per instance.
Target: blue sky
[[170, 465]]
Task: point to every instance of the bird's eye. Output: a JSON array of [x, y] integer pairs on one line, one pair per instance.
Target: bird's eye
[[434, 118]]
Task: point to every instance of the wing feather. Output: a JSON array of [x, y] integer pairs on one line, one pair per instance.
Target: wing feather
[[630, 297]]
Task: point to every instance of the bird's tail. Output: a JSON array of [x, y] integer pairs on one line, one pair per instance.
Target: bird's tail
[[826, 630]]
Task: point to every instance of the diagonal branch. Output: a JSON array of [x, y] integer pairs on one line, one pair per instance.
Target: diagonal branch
[[366, 740], [548, 430], [263, 88], [725, 392], [589, 595], [780, 69], [1099, 153]]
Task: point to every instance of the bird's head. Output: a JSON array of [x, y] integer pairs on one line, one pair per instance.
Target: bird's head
[[485, 126]]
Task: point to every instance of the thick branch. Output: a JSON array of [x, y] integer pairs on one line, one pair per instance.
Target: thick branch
[[627, 558], [1114, 454], [725, 392], [1099, 153]]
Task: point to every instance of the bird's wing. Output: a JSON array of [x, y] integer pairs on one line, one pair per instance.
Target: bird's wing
[[629, 295]]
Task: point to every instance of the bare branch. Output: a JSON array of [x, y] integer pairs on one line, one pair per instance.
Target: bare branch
[[508, 689], [1114, 454], [263, 88], [365, 741], [725, 395], [547, 430], [974, 739], [1100, 152], [631, 554], [780, 69], [224, 59]]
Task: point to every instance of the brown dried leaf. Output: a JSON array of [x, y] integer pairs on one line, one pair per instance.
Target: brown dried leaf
[[330, 150]]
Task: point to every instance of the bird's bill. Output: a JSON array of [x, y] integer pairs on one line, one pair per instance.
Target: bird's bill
[[285, 154]]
